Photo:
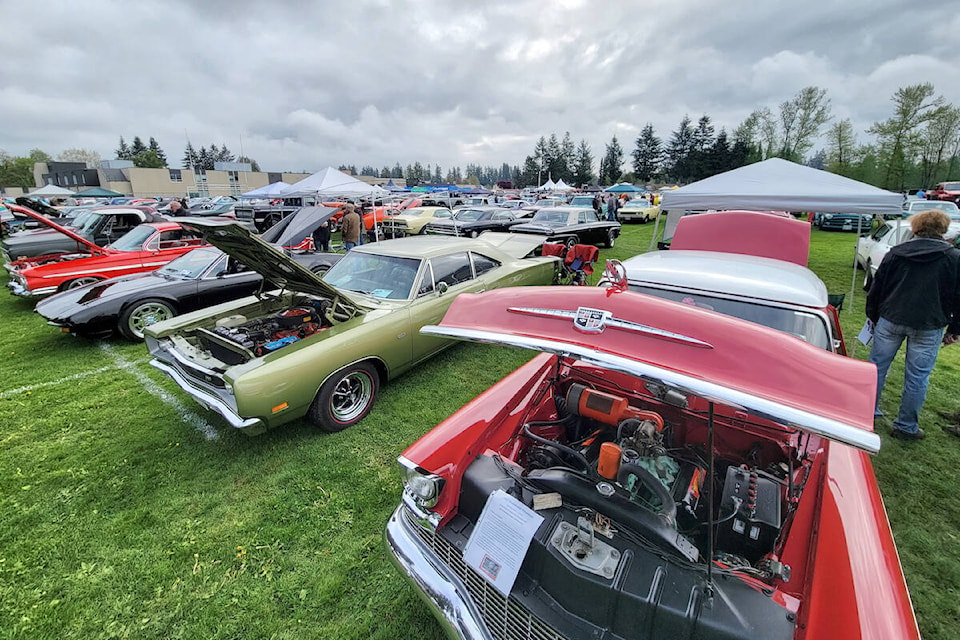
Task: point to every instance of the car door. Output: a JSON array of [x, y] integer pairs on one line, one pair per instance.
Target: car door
[[225, 280], [591, 231], [455, 270]]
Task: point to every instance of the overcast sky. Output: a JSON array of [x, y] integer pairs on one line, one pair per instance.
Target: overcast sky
[[304, 85]]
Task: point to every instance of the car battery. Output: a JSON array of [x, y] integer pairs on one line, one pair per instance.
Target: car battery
[[752, 527]]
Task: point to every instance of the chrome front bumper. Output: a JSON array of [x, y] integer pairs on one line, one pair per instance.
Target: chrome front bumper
[[21, 291], [439, 587], [250, 426]]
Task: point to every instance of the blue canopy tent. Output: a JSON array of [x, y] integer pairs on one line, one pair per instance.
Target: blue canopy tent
[[623, 187], [393, 188]]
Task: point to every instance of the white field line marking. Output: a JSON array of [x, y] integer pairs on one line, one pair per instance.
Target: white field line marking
[[52, 383], [154, 389]]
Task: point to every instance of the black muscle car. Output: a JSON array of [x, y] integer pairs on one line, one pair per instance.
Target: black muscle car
[[472, 221], [570, 226]]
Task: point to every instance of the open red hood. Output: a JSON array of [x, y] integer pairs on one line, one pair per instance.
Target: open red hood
[[766, 372], [53, 225]]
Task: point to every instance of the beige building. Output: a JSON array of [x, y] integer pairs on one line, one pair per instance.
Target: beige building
[[227, 179]]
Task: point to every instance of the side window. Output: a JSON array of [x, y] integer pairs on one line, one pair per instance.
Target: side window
[[482, 264], [452, 269], [882, 231], [503, 216], [583, 217], [588, 215], [426, 281], [124, 223], [169, 239]]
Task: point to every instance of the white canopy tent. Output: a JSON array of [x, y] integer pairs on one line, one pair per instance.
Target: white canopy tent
[[779, 185], [332, 183], [51, 191], [272, 190], [549, 185], [560, 185]]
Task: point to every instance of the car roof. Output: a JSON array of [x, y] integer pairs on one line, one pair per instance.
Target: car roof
[[427, 246], [729, 274]]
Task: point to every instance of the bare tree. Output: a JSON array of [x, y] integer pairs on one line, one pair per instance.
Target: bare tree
[[940, 142], [92, 158], [898, 137], [841, 148]]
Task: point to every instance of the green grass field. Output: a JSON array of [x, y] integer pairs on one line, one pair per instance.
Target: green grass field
[[127, 511]]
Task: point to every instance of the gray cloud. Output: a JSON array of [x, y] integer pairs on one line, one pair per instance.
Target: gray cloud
[[305, 85]]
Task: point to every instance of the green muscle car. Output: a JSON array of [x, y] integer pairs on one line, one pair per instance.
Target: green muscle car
[[321, 347]]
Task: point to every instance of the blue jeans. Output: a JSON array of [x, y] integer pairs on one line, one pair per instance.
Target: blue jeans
[[350, 245], [923, 346]]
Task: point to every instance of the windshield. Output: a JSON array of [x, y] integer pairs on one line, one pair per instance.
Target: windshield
[[582, 201], [548, 215], [89, 224], [134, 239], [189, 266], [951, 186], [389, 277], [545, 203], [802, 324]]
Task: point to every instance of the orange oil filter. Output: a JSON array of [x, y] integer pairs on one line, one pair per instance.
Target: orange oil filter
[[609, 463]]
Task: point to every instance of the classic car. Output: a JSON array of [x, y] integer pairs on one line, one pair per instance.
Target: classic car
[[544, 203], [725, 262], [581, 201], [916, 206], [871, 248], [843, 221], [570, 226], [472, 221], [127, 304], [143, 248], [99, 226], [946, 191], [658, 471], [638, 209], [412, 221], [321, 348]]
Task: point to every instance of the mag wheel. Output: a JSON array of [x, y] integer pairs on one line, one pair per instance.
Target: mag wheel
[[345, 398], [141, 315]]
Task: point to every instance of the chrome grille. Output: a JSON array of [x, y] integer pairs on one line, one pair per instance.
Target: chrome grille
[[506, 619]]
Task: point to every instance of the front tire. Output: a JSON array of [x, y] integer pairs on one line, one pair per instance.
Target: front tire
[[79, 282], [611, 238], [345, 398], [867, 277], [141, 315]]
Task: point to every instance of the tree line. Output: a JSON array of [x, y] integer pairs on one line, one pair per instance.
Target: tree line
[[917, 146]]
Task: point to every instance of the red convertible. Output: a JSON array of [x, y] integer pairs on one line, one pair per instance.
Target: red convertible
[[143, 248], [658, 471]]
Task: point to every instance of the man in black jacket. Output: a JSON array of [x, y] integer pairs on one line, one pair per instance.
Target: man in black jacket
[[915, 293]]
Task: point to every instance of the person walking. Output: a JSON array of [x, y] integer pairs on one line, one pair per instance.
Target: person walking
[[915, 293], [321, 237], [350, 227], [612, 207]]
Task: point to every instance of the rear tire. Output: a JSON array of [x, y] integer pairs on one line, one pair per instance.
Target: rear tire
[[141, 315], [345, 398], [569, 242]]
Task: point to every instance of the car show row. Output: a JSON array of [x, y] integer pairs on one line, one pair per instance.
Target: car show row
[[658, 469]]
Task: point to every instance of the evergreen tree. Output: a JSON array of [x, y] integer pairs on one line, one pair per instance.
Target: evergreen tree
[[612, 164], [718, 158], [155, 147], [148, 159], [678, 151], [554, 164], [123, 151], [253, 163], [648, 154], [190, 158], [137, 147], [582, 165]]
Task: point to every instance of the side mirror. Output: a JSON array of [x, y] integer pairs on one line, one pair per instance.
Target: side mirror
[[442, 287]]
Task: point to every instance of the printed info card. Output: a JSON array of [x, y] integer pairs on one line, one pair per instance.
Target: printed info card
[[500, 540]]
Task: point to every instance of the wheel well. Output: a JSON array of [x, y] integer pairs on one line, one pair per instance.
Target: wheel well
[[127, 305], [378, 365]]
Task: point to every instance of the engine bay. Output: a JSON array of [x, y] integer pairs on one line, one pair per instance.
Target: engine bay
[[631, 464], [236, 338]]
